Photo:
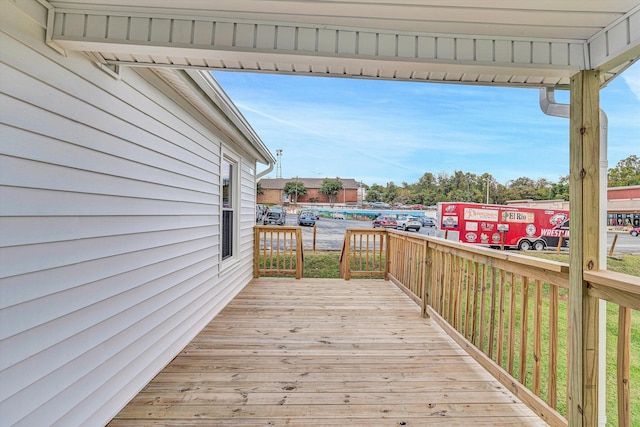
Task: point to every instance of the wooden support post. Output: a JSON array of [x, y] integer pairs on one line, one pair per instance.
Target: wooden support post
[[256, 252], [584, 142], [613, 244], [347, 255], [314, 236]]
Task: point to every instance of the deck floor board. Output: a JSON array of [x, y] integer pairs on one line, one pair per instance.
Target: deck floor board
[[323, 353]]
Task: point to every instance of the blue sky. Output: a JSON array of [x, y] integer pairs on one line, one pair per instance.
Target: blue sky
[[384, 131]]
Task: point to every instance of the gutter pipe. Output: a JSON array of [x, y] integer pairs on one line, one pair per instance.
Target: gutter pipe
[[266, 171]]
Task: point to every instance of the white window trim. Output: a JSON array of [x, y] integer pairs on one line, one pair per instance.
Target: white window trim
[[235, 161]]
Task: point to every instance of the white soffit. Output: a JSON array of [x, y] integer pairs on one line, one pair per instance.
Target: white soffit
[[506, 43]]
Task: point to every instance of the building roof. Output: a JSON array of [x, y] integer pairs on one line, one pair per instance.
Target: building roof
[[491, 42], [279, 183]]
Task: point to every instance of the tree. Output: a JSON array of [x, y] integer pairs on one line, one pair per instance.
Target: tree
[[522, 188], [626, 172], [373, 195], [543, 189], [391, 193], [259, 189], [331, 188], [560, 190], [295, 189]]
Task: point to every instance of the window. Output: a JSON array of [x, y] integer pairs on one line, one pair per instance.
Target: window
[[228, 207]]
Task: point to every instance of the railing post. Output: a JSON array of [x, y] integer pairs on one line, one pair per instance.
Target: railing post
[[584, 153], [428, 279], [299, 254], [347, 256], [256, 252], [385, 236]]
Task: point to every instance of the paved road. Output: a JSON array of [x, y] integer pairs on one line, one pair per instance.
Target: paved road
[[330, 235]]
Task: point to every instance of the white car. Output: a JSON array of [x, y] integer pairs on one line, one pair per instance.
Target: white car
[[408, 223]]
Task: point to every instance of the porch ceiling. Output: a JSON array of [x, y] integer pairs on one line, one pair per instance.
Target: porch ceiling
[[515, 43]]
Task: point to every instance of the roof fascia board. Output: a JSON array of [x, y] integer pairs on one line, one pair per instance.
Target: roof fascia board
[[73, 31], [617, 44], [219, 97], [188, 88]]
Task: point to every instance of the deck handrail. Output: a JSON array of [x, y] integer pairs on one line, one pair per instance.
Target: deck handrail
[[509, 311], [623, 290], [278, 250], [364, 253]]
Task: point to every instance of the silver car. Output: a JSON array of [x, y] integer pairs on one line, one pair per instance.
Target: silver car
[[408, 223]]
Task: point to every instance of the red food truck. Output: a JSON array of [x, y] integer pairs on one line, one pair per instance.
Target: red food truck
[[503, 226]]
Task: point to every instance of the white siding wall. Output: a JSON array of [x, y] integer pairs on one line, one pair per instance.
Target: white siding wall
[[109, 244]]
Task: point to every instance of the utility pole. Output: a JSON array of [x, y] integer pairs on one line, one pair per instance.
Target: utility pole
[[488, 179], [279, 163]]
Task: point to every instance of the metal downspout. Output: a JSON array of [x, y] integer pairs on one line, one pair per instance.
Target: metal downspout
[[550, 107], [266, 171]]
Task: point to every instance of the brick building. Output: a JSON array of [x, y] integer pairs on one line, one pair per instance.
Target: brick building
[[273, 191]]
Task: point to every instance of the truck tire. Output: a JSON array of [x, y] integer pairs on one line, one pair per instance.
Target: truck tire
[[524, 245], [539, 245]]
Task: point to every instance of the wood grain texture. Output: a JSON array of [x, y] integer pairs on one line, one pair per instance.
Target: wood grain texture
[[323, 352]]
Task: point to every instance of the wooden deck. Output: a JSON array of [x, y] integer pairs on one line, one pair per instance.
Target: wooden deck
[[323, 352]]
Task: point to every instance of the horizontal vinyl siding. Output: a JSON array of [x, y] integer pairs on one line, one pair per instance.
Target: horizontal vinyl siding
[[109, 225]]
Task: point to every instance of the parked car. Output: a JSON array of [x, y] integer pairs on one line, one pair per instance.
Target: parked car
[[635, 231], [408, 223], [427, 222], [337, 215], [385, 221], [307, 218], [274, 217]]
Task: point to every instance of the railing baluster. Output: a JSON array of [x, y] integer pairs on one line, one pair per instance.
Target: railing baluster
[[483, 288], [524, 330], [537, 338], [474, 324], [459, 286], [500, 344], [445, 287], [453, 292], [492, 318], [467, 302], [512, 323], [553, 347], [623, 367]]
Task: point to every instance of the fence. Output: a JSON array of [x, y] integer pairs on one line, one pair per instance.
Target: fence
[[509, 311], [278, 251]]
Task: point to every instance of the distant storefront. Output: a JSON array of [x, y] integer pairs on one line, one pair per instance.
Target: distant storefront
[[623, 219], [623, 206]]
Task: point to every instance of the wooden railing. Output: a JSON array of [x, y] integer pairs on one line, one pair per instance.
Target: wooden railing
[[364, 253], [510, 312], [278, 251], [624, 291], [491, 302]]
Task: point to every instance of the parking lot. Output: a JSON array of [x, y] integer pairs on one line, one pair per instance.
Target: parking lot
[[330, 235]]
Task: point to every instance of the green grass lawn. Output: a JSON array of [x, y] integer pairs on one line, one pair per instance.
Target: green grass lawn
[[322, 264], [627, 264]]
